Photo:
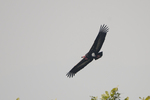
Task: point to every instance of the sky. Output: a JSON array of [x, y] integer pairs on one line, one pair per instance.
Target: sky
[[41, 40]]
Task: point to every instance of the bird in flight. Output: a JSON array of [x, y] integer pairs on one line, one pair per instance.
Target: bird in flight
[[93, 52]]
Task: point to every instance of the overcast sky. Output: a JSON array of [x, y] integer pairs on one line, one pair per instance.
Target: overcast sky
[[41, 40]]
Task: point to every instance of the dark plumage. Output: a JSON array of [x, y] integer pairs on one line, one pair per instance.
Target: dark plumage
[[93, 52]]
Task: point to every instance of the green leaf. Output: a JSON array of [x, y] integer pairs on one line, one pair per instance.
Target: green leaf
[[127, 98], [104, 96], [18, 99], [141, 98], [107, 93], [147, 98], [114, 90], [93, 98]]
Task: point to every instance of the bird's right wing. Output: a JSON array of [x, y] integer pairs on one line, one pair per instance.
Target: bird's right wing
[[78, 67]]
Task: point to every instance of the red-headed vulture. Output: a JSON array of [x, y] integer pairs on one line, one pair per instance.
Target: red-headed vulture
[[93, 52]]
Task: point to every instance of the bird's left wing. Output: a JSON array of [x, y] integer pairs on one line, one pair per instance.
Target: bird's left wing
[[78, 67], [99, 39]]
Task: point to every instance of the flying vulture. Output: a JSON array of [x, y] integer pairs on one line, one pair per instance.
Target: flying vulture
[[93, 52]]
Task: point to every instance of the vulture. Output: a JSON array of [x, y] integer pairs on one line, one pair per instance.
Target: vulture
[[93, 52]]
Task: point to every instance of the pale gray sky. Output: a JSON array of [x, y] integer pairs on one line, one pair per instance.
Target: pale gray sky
[[41, 40]]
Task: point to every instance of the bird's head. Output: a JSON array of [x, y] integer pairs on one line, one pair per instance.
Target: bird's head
[[85, 57]]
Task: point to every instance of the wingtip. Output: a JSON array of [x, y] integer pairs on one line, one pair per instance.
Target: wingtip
[[70, 75], [104, 28]]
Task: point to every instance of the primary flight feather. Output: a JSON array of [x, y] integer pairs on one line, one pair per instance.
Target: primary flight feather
[[93, 52]]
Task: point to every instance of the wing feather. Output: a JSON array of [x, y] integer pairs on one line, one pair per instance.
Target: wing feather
[[78, 67]]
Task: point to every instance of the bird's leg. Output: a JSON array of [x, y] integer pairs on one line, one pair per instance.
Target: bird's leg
[[98, 56]]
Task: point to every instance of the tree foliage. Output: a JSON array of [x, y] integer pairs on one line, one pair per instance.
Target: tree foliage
[[114, 95]]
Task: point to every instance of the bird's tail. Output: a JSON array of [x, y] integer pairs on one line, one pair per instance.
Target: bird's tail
[[99, 55]]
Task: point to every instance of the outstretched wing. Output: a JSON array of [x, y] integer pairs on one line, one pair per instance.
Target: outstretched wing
[[78, 67], [99, 39]]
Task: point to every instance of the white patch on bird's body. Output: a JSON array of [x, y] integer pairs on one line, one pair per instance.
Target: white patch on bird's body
[[93, 54]]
